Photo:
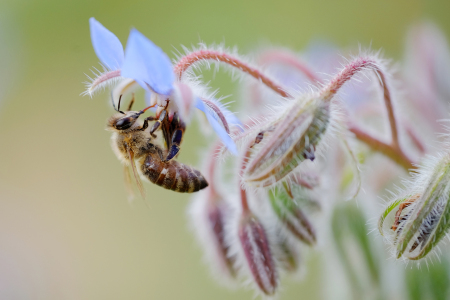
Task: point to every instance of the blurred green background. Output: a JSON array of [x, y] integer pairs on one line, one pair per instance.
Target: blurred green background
[[66, 228]]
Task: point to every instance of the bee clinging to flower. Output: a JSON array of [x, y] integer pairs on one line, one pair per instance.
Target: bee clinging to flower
[[146, 64], [134, 145]]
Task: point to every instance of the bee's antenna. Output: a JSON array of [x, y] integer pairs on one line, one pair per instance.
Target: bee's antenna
[[143, 111], [118, 108]]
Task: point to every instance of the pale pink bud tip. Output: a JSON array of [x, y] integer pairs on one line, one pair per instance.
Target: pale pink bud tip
[[257, 253]]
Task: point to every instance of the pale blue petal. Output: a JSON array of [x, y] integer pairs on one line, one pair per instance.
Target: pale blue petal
[[231, 118], [106, 45], [147, 64], [221, 132]]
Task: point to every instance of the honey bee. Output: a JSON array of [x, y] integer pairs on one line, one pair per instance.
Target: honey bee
[[133, 145]]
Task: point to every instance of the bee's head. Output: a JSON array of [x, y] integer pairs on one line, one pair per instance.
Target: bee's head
[[123, 120]]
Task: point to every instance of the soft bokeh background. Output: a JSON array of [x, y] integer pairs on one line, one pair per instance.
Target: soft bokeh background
[[66, 228]]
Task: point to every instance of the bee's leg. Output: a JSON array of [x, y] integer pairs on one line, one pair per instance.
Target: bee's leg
[[146, 120], [158, 122], [131, 102], [178, 123], [161, 118], [175, 148], [145, 125], [177, 137]]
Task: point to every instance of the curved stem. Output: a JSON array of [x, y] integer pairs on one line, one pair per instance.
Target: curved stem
[[348, 72], [244, 201], [389, 107], [243, 193], [394, 153], [188, 60]]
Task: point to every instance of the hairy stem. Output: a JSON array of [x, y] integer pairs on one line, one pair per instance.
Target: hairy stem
[[394, 153], [389, 108], [243, 193], [188, 60], [358, 65]]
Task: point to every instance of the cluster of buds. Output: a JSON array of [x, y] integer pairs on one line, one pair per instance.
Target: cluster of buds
[[274, 173], [255, 234], [257, 222]]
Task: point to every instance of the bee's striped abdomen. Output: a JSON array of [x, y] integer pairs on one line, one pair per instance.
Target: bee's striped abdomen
[[173, 175]]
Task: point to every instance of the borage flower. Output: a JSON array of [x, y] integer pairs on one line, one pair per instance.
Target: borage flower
[[146, 64]]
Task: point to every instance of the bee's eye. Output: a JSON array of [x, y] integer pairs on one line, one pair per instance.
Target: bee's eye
[[124, 123]]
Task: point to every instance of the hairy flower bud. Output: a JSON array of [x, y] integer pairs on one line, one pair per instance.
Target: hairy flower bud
[[291, 139], [422, 218], [209, 217], [258, 255], [292, 217]]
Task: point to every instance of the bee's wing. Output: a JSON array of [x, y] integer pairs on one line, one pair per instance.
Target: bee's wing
[[135, 173], [128, 185]]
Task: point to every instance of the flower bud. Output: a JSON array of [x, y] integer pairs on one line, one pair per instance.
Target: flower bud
[[422, 218], [292, 217], [258, 255], [291, 139], [209, 217]]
